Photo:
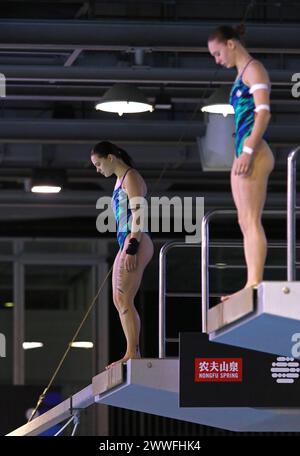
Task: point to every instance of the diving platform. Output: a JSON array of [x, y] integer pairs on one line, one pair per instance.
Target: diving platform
[[152, 386], [265, 319]]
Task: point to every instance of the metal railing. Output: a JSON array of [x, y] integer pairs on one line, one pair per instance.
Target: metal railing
[[291, 235], [205, 254], [164, 293], [291, 216], [292, 209]]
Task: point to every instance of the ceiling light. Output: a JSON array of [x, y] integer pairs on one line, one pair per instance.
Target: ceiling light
[[124, 98], [45, 189], [82, 344], [218, 102], [221, 265], [30, 345], [45, 181], [8, 305]]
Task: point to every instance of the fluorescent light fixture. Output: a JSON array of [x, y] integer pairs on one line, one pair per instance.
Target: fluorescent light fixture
[[82, 344], [45, 189], [224, 109], [218, 102], [124, 98], [221, 265], [8, 305], [46, 181], [30, 345]]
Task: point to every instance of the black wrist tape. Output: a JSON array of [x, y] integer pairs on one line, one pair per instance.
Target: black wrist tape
[[133, 246]]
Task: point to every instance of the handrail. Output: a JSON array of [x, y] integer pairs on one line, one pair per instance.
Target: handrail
[[162, 292], [291, 251], [291, 215], [204, 292], [205, 255]]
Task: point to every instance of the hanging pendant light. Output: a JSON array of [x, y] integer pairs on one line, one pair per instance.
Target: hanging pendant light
[[46, 181], [124, 98], [218, 102]]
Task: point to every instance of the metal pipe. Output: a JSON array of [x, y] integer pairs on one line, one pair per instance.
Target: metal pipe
[[205, 262], [291, 216], [18, 316], [138, 75], [205, 256], [204, 272], [139, 56], [82, 131], [87, 131], [162, 293], [162, 301], [113, 34], [162, 298]]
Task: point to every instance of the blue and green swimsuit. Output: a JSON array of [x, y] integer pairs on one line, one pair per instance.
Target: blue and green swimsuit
[[243, 103], [122, 212]]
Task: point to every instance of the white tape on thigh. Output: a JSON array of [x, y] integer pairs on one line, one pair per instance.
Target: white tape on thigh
[[258, 87], [261, 107]]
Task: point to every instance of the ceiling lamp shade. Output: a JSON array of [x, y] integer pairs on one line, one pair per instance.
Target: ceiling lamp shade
[[124, 98], [30, 345], [46, 188], [218, 102], [44, 181], [82, 344]]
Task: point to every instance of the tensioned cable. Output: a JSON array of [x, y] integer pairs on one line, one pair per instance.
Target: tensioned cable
[[42, 396]]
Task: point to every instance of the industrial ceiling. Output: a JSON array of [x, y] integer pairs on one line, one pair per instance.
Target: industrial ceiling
[[58, 59]]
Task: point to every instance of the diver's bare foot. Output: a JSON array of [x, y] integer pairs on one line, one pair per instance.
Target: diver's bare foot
[[225, 298], [123, 360]]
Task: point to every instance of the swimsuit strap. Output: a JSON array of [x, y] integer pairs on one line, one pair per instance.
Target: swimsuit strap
[[120, 186], [245, 68], [124, 176]]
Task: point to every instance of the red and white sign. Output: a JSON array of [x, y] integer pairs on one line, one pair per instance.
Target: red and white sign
[[218, 369]]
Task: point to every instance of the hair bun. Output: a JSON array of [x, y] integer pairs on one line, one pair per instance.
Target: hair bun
[[240, 29]]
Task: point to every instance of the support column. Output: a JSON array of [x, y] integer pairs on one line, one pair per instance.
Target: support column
[[18, 316]]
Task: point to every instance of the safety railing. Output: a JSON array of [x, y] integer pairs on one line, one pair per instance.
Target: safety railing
[[162, 292], [292, 210], [165, 293], [291, 235], [291, 216], [205, 253]]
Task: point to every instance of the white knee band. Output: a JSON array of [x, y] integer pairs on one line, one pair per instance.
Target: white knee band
[[257, 87], [261, 107]]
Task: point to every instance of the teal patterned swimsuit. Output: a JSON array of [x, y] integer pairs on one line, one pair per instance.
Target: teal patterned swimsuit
[[243, 103], [122, 211]]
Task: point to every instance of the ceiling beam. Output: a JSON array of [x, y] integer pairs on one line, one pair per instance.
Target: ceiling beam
[[93, 74], [126, 35], [127, 131], [88, 131]]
